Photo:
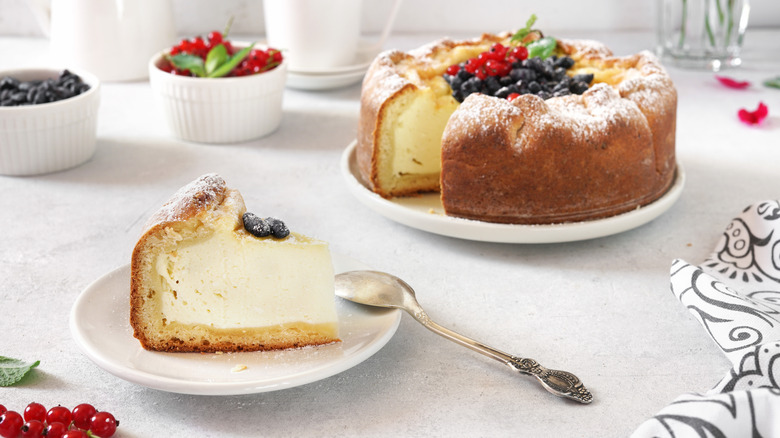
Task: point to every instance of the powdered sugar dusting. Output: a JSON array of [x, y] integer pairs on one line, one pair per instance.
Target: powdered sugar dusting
[[205, 192]]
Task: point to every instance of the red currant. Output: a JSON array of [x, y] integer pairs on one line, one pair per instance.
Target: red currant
[[471, 65], [82, 415], [2, 410], [10, 424], [74, 433], [520, 53], [103, 425], [498, 51], [215, 37], [453, 69], [512, 96], [32, 429], [55, 430], [35, 411], [59, 414]]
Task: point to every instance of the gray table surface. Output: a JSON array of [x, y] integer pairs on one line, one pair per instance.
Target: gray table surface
[[600, 308]]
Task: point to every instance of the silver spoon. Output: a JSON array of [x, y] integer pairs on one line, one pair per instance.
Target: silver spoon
[[384, 290]]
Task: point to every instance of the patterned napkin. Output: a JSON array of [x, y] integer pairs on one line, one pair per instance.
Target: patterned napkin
[[735, 296]]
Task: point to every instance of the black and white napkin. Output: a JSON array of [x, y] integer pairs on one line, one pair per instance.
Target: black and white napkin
[[735, 296]]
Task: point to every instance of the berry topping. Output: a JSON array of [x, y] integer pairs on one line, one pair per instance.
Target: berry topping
[[278, 228], [269, 226], [256, 225], [527, 66]]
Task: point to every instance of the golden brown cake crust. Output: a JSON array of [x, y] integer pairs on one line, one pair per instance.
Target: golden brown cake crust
[[566, 159]]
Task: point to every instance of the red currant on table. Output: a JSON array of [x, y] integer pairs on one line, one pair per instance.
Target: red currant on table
[[59, 414], [10, 424], [103, 425], [32, 429], [56, 430], [2, 409], [82, 415], [74, 433], [35, 411]]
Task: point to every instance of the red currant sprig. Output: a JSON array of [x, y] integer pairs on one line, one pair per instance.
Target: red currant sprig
[[58, 422]]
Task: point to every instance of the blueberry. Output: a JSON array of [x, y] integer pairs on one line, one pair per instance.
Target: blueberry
[[534, 87], [506, 80], [565, 62], [584, 77], [578, 87], [473, 85], [255, 225], [463, 74], [492, 84], [278, 228], [503, 92]]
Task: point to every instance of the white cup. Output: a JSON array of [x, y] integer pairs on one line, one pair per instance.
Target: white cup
[[112, 39], [317, 35]]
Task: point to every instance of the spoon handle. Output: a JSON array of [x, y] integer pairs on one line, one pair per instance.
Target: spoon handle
[[560, 383]]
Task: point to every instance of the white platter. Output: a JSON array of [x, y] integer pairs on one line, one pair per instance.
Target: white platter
[[99, 323], [426, 213]]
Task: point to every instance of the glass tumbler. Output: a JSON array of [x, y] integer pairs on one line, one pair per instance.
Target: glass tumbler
[[702, 34]]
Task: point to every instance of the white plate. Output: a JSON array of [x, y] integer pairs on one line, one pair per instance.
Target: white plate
[[301, 81], [335, 77], [426, 213], [99, 323]]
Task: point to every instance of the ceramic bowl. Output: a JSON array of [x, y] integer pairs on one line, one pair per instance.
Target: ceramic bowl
[[219, 110], [48, 137]]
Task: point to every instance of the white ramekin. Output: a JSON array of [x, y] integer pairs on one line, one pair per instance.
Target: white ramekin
[[219, 110], [48, 137]]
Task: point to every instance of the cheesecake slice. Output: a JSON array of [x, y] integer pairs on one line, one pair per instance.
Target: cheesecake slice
[[201, 282]]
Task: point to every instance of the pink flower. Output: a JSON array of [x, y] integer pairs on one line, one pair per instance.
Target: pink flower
[[732, 83], [753, 117]]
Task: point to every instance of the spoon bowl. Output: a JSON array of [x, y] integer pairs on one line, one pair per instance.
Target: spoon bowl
[[380, 289]]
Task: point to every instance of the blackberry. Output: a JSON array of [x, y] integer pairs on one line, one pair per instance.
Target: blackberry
[[256, 225], [278, 228]]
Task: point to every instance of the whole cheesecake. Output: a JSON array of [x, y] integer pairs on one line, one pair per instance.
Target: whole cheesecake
[[530, 160], [201, 282]]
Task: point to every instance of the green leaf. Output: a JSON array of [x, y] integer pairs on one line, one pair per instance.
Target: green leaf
[[542, 48], [12, 370], [216, 57], [231, 63], [772, 83], [185, 61], [520, 34]]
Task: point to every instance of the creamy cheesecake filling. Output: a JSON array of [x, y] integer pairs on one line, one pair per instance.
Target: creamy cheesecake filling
[[228, 281], [417, 130]]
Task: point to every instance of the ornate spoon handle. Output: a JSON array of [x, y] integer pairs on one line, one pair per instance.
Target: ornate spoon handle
[[560, 383]]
